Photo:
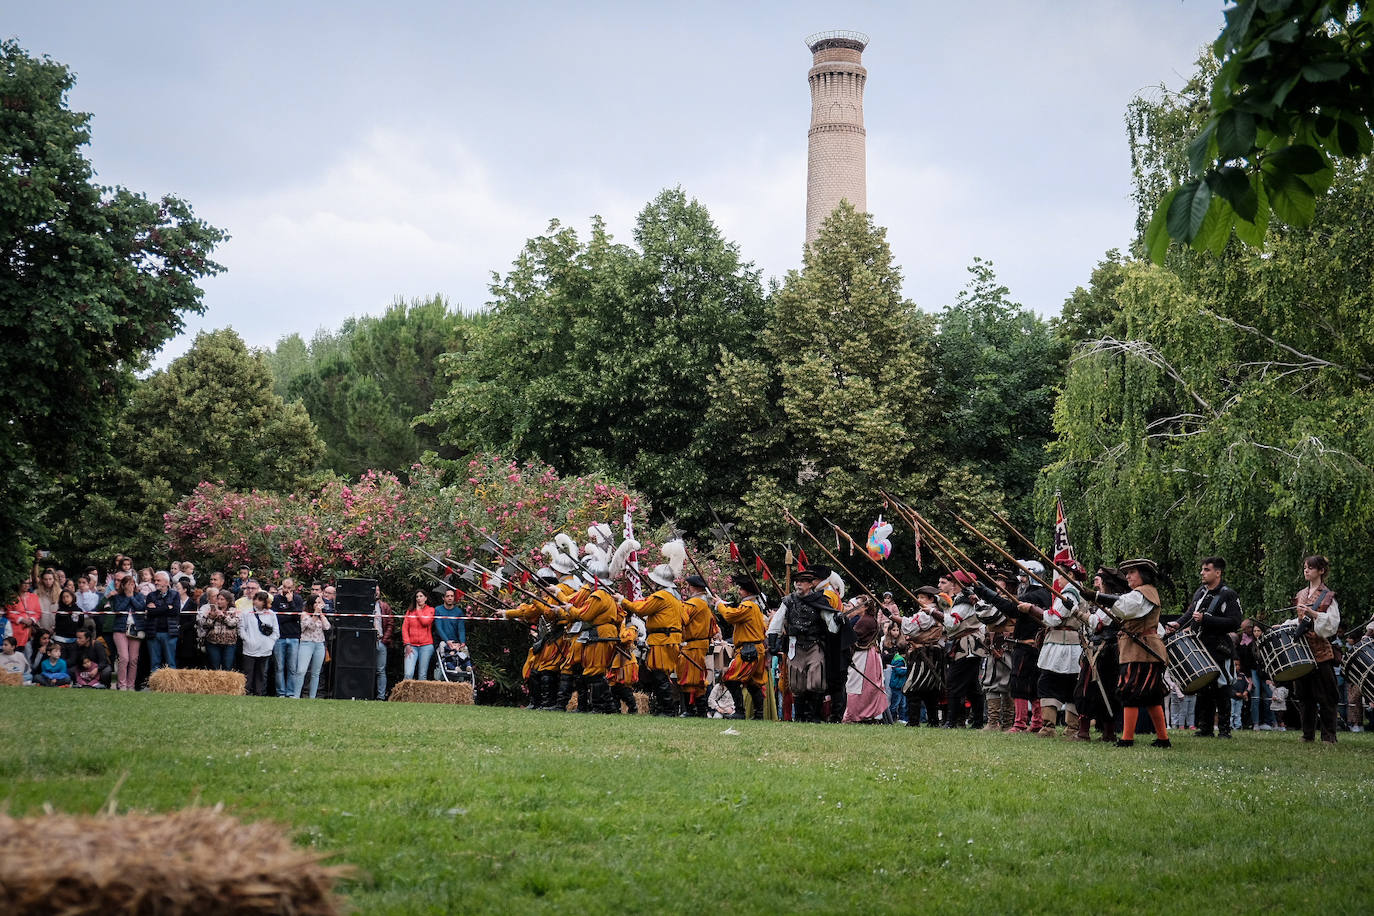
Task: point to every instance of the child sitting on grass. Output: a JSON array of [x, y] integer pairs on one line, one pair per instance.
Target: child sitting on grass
[[89, 675], [53, 671]]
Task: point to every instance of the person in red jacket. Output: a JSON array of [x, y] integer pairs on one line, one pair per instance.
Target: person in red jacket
[[24, 613], [417, 632]]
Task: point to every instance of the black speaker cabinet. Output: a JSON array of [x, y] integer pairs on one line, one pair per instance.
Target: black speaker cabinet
[[355, 661]]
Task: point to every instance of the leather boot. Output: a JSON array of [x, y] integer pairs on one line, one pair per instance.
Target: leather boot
[[1008, 712], [606, 703], [623, 693], [702, 709], [561, 697], [756, 700], [1022, 708], [737, 695], [1037, 720], [1049, 715], [667, 704], [535, 683], [586, 693], [994, 723], [1071, 725]]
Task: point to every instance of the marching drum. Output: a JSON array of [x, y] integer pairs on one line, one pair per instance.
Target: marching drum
[[1283, 654], [1189, 664], [1359, 667]]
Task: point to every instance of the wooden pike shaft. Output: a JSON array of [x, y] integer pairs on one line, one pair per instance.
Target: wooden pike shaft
[[834, 559], [887, 572], [995, 546]]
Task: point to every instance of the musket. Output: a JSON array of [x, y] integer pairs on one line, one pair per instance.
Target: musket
[[887, 572], [787, 514], [447, 584]]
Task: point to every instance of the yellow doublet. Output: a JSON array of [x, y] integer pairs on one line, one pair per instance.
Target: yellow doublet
[[663, 615], [696, 639], [750, 627]]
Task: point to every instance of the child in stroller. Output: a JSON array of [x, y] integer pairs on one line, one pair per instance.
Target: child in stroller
[[455, 664]]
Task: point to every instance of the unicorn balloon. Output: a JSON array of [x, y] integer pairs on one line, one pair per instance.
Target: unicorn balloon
[[879, 547]]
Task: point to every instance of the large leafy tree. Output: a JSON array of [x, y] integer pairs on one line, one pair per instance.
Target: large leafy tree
[[210, 415], [596, 356], [365, 384], [1225, 407], [92, 281], [999, 369]]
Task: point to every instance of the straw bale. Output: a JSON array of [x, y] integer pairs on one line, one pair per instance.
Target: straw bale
[[459, 693], [641, 703], [196, 861], [11, 679], [196, 680]]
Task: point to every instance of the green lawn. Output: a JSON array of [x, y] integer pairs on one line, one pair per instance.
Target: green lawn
[[472, 809]]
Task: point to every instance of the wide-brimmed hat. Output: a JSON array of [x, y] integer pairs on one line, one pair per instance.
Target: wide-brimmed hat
[[929, 591], [1147, 569], [663, 575], [821, 572], [806, 575], [1112, 579]]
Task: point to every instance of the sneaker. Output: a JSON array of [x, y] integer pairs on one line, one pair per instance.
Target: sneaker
[[1354, 729], [1265, 728]]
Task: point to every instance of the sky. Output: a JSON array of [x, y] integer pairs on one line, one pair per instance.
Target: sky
[[358, 155]]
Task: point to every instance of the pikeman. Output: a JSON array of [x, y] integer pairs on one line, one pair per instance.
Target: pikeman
[[1142, 652], [663, 615], [964, 649], [995, 678], [1095, 693], [802, 634], [1060, 653], [748, 670], [562, 552], [839, 637], [923, 648], [596, 609], [698, 626], [623, 673], [545, 656]]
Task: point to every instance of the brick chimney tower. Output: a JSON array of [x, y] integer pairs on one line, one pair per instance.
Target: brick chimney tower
[[835, 158]]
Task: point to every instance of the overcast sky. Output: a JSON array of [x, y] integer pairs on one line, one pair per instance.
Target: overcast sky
[[358, 154]]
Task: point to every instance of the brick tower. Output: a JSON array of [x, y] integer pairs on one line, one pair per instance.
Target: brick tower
[[835, 167]]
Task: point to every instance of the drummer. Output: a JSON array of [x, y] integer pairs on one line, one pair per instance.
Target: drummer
[[1141, 679], [1213, 613], [1319, 617]]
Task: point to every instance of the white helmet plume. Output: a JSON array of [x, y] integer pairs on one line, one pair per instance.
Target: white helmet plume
[[675, 552], [621, 559]]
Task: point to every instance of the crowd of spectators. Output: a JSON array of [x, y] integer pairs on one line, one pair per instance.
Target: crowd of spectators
[[112, 630]]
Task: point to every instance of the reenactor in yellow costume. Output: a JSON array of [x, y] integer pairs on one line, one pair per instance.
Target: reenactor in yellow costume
[[748, 670]]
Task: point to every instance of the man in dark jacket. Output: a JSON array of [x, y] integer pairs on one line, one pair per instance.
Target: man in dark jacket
[[287, 605], [162, 608], [1214, 613]]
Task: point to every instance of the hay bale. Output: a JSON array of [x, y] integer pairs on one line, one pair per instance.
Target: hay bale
[[197, 680], [11, 679], [459, 693], [195, 861], [642, 703]]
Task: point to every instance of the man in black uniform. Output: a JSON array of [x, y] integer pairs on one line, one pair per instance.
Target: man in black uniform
[[802, 646], [1213, 613]]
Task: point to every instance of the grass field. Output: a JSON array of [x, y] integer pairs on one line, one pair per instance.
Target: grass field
[[481, 810]]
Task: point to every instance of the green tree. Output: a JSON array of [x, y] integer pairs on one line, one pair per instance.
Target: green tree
[[596, 356], [210, 415], [92, 281], [1293, 93], [366, 384], [999, 368]]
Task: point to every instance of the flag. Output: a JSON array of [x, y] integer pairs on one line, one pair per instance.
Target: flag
[[1063, 550], [734, 552], [801, 559], [628, 530]]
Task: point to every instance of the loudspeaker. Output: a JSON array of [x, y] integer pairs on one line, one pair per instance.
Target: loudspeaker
[[355, 648], [352, 591], [355, 683], [355, 660]]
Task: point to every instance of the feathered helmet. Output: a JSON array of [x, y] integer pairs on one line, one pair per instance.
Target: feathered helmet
[[836, 583], [562, 553], [663, 575], [675, 552]]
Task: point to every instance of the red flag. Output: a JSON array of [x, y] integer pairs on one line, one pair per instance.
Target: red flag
[[459, 593], [525, 577], [734, 552], [801, 559], [486, 582], [758, 563], [1063, 550]]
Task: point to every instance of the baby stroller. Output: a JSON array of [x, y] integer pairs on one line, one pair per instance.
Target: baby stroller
[[455, 665]]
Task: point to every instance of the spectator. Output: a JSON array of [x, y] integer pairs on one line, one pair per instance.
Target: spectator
[[37, 649], [1247, 662], [329, 593], [313, 625], [258, 630], [189, 648], [130, 627], [217, 581], [449, 627], [241, 583], [66, 622], [13, 661], [48, 592], [88, 674], [162, 610], [218, 623], [52, 672], [417, 633], [88, 648], [24, 614], [287, 605], [1240, 693], [244, 601], [88, 596], [1279, 703], [384, 623]]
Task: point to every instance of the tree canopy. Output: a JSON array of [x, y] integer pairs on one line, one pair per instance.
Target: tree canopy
[[92, 281]]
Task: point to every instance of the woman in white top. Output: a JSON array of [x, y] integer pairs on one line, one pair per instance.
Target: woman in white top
[[1319, 617], [258, 630]]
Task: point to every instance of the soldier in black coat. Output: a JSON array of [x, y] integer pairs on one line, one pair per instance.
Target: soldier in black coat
[[1213, 614]]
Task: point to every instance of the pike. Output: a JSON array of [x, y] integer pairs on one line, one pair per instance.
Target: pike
[[807, 531], [1027, 541], [475, 600], [726, 531], [995, 546], [950, 546]]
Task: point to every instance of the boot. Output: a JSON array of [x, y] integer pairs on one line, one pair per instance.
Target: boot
[[1008, 713], [535, 684], [1075, 726], [1037, 721], [756, 701], [1049, 715], [561, 697], [994, 714], [586, 693], [737, 695], [548, 692], [667, 703], [702, 709], [623, 693], [603, 701]]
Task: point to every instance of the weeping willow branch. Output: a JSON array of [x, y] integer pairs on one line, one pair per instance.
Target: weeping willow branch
[[1143, 350], [1309, 361]]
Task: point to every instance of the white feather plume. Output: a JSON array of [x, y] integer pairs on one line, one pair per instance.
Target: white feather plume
[[837, 584], [600, 533], [568, 545], [675, 552], [621, 559], [595, 553], [550, 550]]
